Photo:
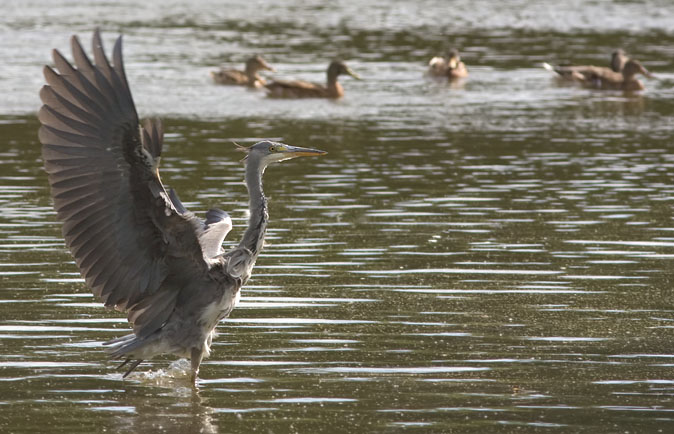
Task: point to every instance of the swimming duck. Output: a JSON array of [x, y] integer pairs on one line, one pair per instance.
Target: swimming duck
[[604, 78], [305, 89], [249, 77], [451, 66]]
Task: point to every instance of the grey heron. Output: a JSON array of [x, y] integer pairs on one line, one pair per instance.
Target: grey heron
[[138, 248]]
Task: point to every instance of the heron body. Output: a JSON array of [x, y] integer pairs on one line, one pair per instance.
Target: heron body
[[136, 245], [305, 89], [249, 77], [450, 67], [604, 78]]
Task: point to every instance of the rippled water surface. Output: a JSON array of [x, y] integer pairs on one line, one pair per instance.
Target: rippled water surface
[[489, 256]]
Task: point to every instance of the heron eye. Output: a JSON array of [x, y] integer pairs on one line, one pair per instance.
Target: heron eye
[[272, 148]]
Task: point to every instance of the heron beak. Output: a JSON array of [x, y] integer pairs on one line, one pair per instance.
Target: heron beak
[[296, 151]]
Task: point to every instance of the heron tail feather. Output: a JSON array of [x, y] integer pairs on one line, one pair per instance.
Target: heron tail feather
[[130, 347]]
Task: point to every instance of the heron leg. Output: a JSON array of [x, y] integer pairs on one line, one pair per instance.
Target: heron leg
[[131, 368], [196, 357], [128, 359]]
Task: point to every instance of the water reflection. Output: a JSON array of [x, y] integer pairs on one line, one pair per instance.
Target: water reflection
[[182, 410]]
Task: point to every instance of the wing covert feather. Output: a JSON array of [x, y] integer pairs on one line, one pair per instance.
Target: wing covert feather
[[216, 227]]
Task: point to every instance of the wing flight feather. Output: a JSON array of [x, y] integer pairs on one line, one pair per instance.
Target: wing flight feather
[[121, 225]]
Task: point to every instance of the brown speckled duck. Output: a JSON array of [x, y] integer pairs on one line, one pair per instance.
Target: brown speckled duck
[[604, 78], [451, 66], [305, 89], [249, 77]]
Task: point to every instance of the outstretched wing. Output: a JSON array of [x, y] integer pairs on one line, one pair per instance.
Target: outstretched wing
[[118, 220]]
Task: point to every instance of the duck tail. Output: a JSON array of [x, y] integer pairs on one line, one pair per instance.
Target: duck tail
[[547, 66]]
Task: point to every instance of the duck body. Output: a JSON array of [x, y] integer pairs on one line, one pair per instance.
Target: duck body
[[305, 89], [249, 77], [579, 72], [604, 78], [234, 77]]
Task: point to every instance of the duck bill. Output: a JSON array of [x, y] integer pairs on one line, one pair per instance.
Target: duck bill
[[647, 73], [352, 74], [262, 64], [296, 151]]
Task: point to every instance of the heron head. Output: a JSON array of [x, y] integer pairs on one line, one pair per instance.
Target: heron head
[[267, 152]]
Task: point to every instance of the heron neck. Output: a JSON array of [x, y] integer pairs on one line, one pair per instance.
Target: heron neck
[[253, 238]]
